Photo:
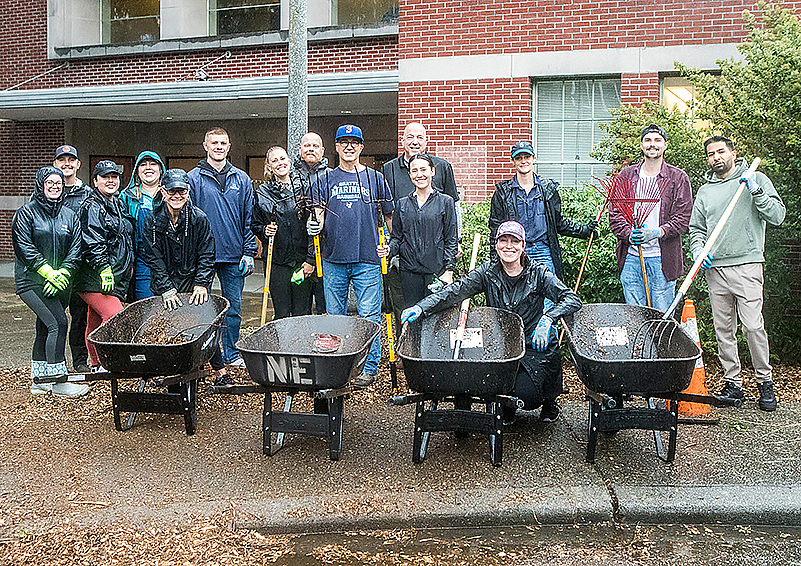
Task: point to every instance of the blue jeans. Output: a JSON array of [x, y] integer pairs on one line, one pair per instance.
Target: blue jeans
[[541, 253], [231, 285], [366, 279], [141, 280], [662, 291]]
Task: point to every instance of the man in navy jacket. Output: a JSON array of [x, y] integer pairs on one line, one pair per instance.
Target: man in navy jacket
[[225, 194]]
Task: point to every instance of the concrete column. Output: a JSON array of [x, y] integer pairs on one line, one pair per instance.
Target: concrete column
[[297, 98]]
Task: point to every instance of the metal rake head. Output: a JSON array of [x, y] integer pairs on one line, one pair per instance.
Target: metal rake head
[[652, 338]]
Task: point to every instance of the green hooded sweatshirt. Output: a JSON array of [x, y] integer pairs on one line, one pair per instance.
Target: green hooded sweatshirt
[[742, 239]]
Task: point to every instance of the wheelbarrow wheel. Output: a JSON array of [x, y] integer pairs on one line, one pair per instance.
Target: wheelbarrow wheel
[[189, 397]]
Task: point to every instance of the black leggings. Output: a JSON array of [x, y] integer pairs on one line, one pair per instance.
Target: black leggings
[[414, 286], [51, 326], [289, 299]]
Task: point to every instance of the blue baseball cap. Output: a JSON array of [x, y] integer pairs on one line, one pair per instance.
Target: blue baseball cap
[[522, 147], [349, 131], [66, 150], [653, 129]]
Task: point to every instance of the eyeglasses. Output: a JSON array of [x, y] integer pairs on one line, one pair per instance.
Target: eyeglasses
[[51, 184], [346, 143], [177, 191]]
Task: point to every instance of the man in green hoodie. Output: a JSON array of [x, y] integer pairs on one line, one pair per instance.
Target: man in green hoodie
[[734, 274]]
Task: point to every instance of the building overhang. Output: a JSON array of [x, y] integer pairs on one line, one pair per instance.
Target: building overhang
[[368, 92]]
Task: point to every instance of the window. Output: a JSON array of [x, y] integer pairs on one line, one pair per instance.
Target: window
[[353, 12], [243, 16], [129, 21], [680, 93], [567, 118]]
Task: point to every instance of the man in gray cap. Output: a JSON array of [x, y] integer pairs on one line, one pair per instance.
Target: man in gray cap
[[75, 192]]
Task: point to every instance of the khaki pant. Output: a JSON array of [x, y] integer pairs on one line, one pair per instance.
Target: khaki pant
[[736, 292]]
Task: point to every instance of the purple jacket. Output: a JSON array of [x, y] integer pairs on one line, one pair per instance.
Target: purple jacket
[[675, 206]]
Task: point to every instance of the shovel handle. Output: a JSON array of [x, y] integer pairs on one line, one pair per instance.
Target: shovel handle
[[267, 271], [318, 259], [466, 303], [709, 243]]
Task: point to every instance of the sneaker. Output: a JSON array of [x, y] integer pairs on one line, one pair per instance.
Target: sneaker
[[82, 368], [731, 392], [41, 388], [364, 380], [767, 400], [69, 389], [237, 363], [549, 412], [223, 380]]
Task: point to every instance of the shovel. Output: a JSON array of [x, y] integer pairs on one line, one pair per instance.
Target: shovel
[[466, 303], [268, 266]]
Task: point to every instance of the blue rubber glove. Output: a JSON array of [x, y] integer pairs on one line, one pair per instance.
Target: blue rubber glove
[[707, 263], [542, 333], [642, 235], [410, 314], [245, 265], [749, 177]]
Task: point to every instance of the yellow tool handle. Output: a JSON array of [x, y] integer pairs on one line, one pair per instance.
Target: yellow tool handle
[[317, 257], [382, 242]]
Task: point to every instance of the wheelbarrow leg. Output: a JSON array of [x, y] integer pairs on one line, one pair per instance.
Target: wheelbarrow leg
[[496, 437], [115, 406], [132, 416], [592, 429], [421, 437], [336, 407], [266, 425], [672, 433], [188, 398]]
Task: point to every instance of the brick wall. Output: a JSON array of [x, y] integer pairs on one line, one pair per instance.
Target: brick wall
[[471, 123], [24, 148], [24, 42], [430, 29], [634, 87]]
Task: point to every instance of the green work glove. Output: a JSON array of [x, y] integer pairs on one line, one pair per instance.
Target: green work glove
[[298, 277], [107, 280], [65, 279], [55, 278], [49, 289]]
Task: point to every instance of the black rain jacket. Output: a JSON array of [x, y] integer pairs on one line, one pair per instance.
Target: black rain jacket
[[286, 206], [425, 237], [107, 232], [179, 257], [503, 207], [44, 231]]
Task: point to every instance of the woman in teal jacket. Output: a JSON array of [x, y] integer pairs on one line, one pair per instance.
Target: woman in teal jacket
[[138, 200]]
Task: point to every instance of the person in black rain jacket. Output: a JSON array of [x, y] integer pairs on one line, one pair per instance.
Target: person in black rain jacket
[[107, 232], [46, 237], [280, 212]]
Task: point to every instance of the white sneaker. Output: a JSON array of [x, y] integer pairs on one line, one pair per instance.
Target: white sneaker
[[69, 389], [41, 388], [237, 363]]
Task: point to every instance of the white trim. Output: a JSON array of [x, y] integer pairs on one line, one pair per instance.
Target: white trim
[[561, 63]]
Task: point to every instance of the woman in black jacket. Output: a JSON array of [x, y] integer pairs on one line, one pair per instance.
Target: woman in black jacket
[[519, 285], [46, 237], [107, 234], [178, 245], [280, 213], [424, 234]]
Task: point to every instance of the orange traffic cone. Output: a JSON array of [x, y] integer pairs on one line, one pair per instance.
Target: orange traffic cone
[[694, 412]]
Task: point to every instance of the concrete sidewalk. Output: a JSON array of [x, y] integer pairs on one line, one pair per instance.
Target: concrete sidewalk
[[66, 463]]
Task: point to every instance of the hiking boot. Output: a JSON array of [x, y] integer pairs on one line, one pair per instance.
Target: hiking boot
[[82, 368], [731, 392], [549, 412], [767, 400], [364, 380], [223, 380]]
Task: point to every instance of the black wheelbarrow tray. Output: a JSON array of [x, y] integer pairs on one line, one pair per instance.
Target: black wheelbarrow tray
[[484, 373], [628, 350], [281, 356], [177, 366]]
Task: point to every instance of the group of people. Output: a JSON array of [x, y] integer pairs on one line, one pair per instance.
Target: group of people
[[170, 232]]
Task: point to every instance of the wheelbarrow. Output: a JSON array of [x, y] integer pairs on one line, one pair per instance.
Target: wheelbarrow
[[623, 351], [484, 374], [286, 355], [187, 338]]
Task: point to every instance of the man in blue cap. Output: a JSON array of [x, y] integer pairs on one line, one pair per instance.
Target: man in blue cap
[[351, 202]]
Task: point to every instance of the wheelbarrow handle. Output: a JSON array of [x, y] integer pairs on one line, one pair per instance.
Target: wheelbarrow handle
[[709, 243]]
